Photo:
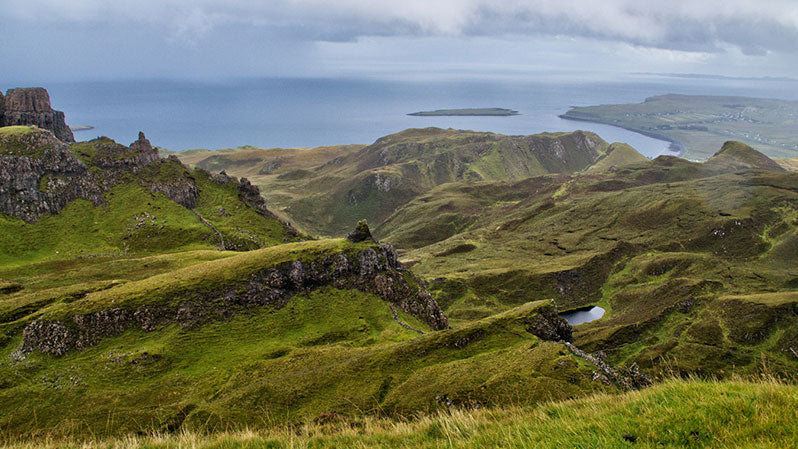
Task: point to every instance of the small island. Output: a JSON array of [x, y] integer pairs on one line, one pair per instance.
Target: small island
[[469, 112]]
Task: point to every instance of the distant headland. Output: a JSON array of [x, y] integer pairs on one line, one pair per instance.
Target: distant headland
[[500, 112]]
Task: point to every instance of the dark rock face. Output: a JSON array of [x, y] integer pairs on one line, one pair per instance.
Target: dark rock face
[[181, 189], [375, 270], [548, 325], [31, 106], [31, 187], [250, 194]]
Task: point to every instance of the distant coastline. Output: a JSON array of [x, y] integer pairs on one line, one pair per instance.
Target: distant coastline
[[696, 124], [473, 112], [81, 128], [675, 146]]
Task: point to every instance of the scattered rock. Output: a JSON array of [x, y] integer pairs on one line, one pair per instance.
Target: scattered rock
[[630, 438], [628, 379]]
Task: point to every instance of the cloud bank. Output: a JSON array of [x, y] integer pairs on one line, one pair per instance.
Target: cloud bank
[[752, 27]]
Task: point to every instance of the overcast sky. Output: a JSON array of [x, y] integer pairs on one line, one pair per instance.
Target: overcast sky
[[62, 40]]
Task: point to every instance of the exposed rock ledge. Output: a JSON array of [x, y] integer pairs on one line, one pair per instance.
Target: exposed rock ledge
[[374, 270], [34, 186]]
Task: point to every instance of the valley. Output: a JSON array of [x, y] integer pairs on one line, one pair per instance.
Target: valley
[[408, 291]]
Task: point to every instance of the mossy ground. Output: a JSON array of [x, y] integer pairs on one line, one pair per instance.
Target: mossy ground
[[660, 245], [328, 351], [675, 414], [694, 264]]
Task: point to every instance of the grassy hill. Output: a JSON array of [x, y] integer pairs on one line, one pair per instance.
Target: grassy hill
[[211, 356], [675, 414], [100, 199], [693, 262], [372, 182], [123, 309]]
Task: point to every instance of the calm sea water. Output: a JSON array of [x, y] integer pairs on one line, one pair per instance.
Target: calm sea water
[[314, 112]]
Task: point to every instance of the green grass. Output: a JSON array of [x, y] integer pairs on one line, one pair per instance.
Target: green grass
[[9, 131], [118, 228], [90, 152], [618, 155], [24, 141], [675, 414], [325, 351], [135, 221], [174, 286], [328, 195]]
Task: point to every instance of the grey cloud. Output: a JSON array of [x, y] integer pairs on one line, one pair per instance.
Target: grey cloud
[[692, 25]]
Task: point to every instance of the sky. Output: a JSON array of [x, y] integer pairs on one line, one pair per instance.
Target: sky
[[70, 40]]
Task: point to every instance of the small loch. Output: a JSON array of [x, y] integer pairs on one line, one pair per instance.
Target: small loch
[[583, 315]]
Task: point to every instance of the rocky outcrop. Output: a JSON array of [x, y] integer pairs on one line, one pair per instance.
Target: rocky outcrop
[[114, 158], [548, 325], [361, 233], [250, 194], [31, 106], [374, 270], [40, 175], [34, 186], [172, 179], [627, 378]]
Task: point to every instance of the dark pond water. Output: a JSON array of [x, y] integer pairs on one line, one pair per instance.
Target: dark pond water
[[580, 316]]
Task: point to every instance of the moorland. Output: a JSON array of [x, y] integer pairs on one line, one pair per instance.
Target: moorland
[[404, 293]]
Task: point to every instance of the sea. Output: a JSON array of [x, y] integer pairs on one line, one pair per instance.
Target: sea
[[310, 112]]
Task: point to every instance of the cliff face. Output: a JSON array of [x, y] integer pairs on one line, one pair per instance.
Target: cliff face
[[31, 106], [31, 187], [40, 175]]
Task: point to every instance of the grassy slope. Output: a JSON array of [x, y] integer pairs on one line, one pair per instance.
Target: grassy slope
[[676, 414], [789, 164], [617, 155], [694, 265], [326, 351], [135, 221], [658, 245], [372, 182], [266, 167], [703, 123]]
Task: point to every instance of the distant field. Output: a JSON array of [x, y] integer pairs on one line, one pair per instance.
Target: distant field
[[699, 124], [467, 112]]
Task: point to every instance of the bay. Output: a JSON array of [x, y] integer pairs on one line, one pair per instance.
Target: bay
[[307, 112]]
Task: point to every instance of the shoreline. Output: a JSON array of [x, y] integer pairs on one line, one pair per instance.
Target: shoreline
[[675, 146]]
